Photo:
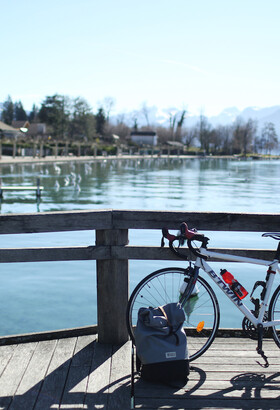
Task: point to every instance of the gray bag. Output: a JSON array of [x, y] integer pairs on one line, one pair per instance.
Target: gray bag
[[161, 344]]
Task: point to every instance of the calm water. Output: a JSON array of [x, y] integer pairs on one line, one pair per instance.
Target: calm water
[[45, 296]]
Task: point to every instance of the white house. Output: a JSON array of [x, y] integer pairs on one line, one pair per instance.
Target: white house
[[144, 137]]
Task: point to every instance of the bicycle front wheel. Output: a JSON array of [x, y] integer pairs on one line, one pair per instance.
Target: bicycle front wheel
[[201, 309]]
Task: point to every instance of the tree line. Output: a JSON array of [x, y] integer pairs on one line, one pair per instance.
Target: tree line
[[72, 119]]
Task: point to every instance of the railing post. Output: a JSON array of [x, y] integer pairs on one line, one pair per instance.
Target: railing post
[[112, 289]]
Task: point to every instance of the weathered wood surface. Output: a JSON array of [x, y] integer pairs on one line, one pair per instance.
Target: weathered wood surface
[[72, 373], [127, 219], [103, 252], [55, 334], [55, 221], [80, 373], [112, 289], [211, 221], [227, 376], [21, 188]]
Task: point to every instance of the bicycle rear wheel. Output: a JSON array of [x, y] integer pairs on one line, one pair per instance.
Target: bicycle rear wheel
[[201, 310], [274, 314]]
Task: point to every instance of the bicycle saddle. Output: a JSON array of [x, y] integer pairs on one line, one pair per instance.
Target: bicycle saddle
[[274, 235]]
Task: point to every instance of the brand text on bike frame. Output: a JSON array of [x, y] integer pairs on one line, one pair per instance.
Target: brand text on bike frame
[[200, 263]]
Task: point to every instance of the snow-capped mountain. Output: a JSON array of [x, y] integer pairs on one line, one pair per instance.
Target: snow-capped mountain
[[155, 117], [261, 115]]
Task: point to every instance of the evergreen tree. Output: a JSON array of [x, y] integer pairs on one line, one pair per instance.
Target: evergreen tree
[[33, 115], [55, 112], [100, 121], [19, 112], [7, 115]]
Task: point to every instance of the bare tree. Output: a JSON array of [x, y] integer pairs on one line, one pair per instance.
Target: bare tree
[[188, 136], [145, 111], [121, 128], [180, 123], [269, 137], [172, 123], [203, 132], [107, 104], [243, 134]]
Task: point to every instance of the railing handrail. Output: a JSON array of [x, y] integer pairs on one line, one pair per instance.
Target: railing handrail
[[135, 219]]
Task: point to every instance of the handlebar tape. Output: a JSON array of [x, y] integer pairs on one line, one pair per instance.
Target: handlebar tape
[[185, 233], [168, 235]]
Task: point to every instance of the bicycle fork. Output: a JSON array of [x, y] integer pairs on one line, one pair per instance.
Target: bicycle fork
[[193, 272]]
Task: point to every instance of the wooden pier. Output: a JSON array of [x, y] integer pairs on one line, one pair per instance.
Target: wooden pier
[[37, 188], [88, 371], [67, 373], [227, 376], [80, 373]]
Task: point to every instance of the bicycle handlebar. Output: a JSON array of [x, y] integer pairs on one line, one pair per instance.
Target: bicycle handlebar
[[188, 235]]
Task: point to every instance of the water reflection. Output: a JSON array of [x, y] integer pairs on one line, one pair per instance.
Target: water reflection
[[155, 183], [149, 184]]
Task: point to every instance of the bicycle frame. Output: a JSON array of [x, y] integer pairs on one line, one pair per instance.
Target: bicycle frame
[[200, 263]]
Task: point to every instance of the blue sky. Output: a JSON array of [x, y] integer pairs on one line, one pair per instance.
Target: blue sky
[[201, 55]]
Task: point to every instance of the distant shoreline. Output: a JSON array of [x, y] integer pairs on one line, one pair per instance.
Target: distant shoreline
[[7, 160]]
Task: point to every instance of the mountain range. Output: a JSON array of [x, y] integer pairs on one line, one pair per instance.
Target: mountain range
[[226, 117], [261, 115]]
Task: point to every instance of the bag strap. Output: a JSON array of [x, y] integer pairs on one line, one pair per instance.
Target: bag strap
[[165, 315], [171, 331]]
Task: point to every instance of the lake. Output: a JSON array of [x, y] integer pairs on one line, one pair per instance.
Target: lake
[[54, 295]]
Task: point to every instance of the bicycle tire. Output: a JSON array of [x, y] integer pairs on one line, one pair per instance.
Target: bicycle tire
[[162, 287], [274, 314]]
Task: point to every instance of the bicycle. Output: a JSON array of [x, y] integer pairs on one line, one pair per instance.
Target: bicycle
[[198, 299]]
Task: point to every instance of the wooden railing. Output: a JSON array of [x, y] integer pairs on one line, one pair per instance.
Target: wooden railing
[[112, 251]]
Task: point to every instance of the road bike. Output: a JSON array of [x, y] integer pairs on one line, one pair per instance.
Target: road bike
[[197, 298]]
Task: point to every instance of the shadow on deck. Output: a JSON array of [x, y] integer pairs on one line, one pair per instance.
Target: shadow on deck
[[72, 373], [79, 373]]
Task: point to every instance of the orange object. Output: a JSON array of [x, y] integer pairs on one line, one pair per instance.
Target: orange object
[[200, 326]]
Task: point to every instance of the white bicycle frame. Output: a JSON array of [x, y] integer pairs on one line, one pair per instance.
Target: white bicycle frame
[[200, 263]]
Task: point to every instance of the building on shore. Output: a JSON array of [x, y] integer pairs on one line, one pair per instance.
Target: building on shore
[[144, 137]]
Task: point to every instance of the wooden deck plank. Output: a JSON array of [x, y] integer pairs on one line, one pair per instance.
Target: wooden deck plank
[[213, 404], [80, 373], [220, 380], [99, 378], [248, 380], [77, 380], [54, 382], [5, 356], [29, 387], [13, 373], [119, 395]]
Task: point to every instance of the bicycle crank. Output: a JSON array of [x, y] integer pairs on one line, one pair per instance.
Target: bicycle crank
[[251, 331]]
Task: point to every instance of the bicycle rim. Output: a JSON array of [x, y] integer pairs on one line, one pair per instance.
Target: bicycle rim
[[201, 310], [274, 314]]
